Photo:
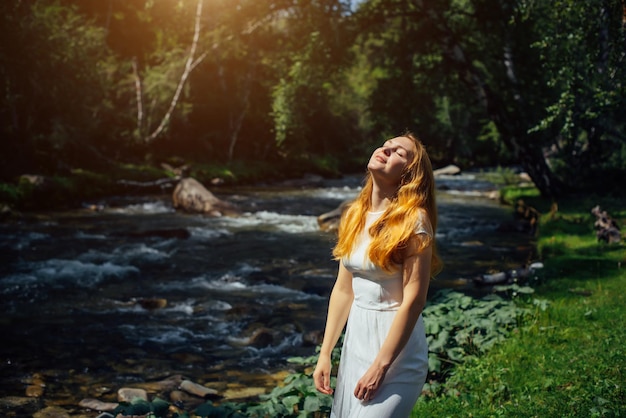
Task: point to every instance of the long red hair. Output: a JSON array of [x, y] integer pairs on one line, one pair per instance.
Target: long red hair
[[391, 232]]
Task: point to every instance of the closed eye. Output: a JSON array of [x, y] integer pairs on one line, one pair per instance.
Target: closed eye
[[395, 148]]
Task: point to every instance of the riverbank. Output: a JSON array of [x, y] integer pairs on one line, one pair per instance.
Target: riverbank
[[569, 361], [72, 188]]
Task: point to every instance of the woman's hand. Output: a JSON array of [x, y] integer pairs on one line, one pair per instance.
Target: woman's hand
[[321, 375], [369, 383]]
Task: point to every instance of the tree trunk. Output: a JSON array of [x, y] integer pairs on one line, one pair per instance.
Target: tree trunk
[[190, 64]]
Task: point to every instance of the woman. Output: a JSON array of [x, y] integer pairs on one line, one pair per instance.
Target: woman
[[387, 257]]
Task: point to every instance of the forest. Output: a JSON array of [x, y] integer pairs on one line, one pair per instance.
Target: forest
[[290, 86]]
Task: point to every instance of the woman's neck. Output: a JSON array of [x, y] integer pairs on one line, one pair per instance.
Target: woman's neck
[[381, 197]]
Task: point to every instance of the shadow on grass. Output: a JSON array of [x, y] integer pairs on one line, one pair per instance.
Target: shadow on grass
[[591, 261]]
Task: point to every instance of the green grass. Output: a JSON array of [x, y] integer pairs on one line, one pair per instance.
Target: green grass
[[568, 360]]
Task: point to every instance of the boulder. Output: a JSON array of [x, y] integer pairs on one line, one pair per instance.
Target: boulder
[[329, 221], [449, 170], [191, 196]]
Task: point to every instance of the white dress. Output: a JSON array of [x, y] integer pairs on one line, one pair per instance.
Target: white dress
[[377, 297]]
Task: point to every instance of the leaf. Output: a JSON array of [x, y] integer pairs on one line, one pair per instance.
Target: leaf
[[311, 404], [159, 406], [434, 364], [455, 353], [205, 410], [431, 326], [290, 401]]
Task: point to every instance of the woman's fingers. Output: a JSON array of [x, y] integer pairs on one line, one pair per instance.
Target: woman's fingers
[[321, 378], [368, 384], [365, 392]]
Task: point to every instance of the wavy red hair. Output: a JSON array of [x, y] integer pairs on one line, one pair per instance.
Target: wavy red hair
[[391, 232]]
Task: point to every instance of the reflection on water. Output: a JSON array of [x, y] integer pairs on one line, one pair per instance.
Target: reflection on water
[[240, 293]]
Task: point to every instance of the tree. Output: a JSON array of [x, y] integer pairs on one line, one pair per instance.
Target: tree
[[496, 53], [582, 46], [53, 74]]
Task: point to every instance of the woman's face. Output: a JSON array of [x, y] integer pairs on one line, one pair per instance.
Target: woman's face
[[389, 161]]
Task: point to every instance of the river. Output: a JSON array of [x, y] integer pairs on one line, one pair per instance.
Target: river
[[91, 301]]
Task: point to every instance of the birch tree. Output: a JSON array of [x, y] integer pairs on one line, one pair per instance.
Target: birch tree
[[145, 132]]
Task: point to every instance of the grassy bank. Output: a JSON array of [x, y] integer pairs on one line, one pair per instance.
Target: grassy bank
[[568, 360], [35, 191]]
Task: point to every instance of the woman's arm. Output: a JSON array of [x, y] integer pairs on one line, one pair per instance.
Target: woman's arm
[[416, 278], [338, 309]]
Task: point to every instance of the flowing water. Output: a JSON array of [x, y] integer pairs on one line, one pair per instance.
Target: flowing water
[[135, 291]]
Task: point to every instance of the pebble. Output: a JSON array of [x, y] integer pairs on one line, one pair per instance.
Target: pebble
[[165, 385], [34, 391], [97, 405], [196, 389], [129, 394], [35, 386]]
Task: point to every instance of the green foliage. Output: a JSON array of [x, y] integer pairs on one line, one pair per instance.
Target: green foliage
[[301, 98], [297, 397], [502, 176], [157, 408], [54, 83], [226, 410], [459, 327], [511, 194], [11, 194]]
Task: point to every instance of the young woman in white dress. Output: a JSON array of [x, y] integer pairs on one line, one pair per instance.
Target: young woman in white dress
[[387, 257]]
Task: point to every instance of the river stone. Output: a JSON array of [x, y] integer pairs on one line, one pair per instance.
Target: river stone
[[35, 385], [191, 196], [449, 170], [329, 221], [97, 405], [52, 412], [165, 385], [261, 338], [152, 304], [129, 394], [312, 338], [196, 389], [34, 391], [184, 400]]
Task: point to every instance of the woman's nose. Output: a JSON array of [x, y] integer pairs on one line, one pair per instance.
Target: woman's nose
[[387, 151]]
